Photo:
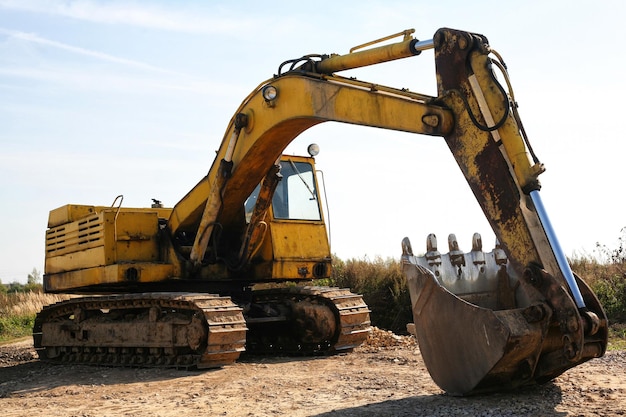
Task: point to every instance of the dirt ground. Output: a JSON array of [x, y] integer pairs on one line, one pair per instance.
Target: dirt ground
[[386, 377]]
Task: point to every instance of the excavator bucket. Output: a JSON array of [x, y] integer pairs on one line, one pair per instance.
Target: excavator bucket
[[483, 328]]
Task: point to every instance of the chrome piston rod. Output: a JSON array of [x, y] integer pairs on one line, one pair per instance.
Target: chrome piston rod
[[556, 248]]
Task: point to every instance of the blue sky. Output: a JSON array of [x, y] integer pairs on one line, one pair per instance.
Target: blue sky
[[100, 98]]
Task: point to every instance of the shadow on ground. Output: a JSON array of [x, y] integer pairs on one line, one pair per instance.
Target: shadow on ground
[[534, 401]]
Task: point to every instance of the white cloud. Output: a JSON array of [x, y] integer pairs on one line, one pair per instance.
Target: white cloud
[[103, 79], [34, 38], [141, 15]]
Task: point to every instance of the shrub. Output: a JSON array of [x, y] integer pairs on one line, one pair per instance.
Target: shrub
[[383, 287], [606, 275], [16, 326], [611, 292]]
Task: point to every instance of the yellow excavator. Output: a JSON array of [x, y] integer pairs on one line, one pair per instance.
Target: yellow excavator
[[230, 266]]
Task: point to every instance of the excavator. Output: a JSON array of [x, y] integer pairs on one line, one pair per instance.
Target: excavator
[[231, 266]]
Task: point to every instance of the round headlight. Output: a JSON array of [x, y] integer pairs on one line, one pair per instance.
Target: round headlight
[[269, 92], [313, 149]]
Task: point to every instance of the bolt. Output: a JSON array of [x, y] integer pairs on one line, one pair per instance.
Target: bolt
[[572, 321], [534, 313], [532, 278], [431, 120], [569, 349], [462, 42]]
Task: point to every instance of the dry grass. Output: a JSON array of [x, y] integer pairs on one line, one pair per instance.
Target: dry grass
[[606, 275], [18, 310], [26, 303], [383, 286]]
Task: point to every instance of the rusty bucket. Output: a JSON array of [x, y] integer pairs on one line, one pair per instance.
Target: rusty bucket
[[483, 327]]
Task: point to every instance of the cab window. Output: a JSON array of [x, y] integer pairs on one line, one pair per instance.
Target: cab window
[[296, 194]]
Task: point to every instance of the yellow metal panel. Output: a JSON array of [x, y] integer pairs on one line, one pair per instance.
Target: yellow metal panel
[[118, 273], [292, 269], [80, 244], [135, 251], [297, 247], [299, 240], [70, 237], [136, 237], [103, 239], [69, 213], [72, 212], [136, 226], [77, 260]]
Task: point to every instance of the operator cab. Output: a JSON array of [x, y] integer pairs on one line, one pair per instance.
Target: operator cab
[[295, 239]]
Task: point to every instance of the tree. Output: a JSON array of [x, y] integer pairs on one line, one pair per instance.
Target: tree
[[34, 277], [15, 287]]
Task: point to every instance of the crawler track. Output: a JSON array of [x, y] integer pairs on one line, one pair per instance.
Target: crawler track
[[307, 320], [186, 330], [154, 329]]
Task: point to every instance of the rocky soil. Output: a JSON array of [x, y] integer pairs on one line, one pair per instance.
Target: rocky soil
[[385, 377]]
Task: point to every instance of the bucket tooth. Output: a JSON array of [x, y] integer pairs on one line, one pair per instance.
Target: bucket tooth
[[477, 255], [477, 242], [457, 257], [432, 254], [499, 254], [407, 249]]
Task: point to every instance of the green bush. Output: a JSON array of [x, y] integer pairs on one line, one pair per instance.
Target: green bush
[[606, 275], [16, 326], [611, 292]]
